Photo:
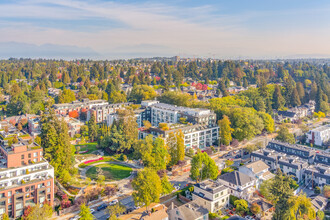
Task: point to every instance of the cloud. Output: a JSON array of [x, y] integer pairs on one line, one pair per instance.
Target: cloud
[[157, 28]]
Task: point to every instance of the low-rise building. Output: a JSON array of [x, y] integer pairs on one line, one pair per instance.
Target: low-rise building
[[101, 112], [193, 210], [239, 184], [158, 213], [34, 126], [257, 169], [214, 195], [65, 108], [318, 136], [319, 203], [317, 175], [293, 166]]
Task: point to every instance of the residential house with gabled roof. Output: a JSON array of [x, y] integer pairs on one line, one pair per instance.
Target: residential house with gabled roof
[[257, 169], [193, 210]]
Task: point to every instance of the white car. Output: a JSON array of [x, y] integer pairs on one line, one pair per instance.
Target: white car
[[177, 187], [92, 210], [113, 202]]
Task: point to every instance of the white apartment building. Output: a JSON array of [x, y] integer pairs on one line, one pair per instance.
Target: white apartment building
[[212, 194], [318, 136]]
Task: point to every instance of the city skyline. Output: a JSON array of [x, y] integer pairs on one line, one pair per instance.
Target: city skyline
[[128, 29]]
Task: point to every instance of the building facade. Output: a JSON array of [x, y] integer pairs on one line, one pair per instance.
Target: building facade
[[318, 136]]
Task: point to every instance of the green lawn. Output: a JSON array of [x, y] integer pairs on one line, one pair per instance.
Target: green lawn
[[89, 146], [110, 171]]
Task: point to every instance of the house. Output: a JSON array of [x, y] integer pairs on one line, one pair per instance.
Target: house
[[293, 166], [239, 184], [213, 194], [318, 136], [269, 156], [193, 210], [319, 203], [257, 169], [158, 213]]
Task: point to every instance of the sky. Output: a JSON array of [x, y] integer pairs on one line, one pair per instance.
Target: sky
[[225, 29]]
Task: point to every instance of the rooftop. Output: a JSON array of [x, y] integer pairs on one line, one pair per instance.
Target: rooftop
[[237, 178], [211, 186], [321, 128], [257, 166], [189, 111]]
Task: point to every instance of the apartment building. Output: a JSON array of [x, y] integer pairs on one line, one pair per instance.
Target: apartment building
[[290, 165], [293, 149], [101, 112], [65, 108], [318, 136], [26, 178], [213, 194], [322, 157], [195, 136], [34, 126], [165, 113], [317, 175]]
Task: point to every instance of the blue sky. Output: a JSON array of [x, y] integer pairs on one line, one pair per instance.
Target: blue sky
[[208, 28]]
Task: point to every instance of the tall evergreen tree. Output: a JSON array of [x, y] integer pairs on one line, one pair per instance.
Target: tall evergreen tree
[[278, 100], [295, 99], [92, 128]]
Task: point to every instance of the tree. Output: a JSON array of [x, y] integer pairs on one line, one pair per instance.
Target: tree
[[115, 210], [300, 207], [229, 163], [55, 141], [66, 96], [285, 136], [251, 148], [5, 217], [203, 167], [142, 92], [117, 97], [92, 128], [225, 130], [301, 91], [167, 186], [326, 191], [268, 121], [241, 206], [110, 191], [320, 215], [255, 208], [295, 99], [176, 147], [147, 124], [278, 100], [38, 212], [85, 213], [147, 187]]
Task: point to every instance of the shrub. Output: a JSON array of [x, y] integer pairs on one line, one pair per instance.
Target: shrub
[[232, 199]]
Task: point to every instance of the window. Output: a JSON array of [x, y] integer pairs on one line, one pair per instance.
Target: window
[[35, 154], [48, 190], [9, 200], [35, 160], [9, 193], [48, 183], [22, 156], [177, 213], [29, 155]]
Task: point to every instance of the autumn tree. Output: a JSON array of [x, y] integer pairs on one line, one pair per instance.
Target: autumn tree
[[147, 187], [225, 130], [85, 213], [285, 136]]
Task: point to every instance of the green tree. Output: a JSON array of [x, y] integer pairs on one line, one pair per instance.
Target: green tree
[[285, 136], [278, 100], [147, 187], [167, 186], [295, 99], [241, 206], [92, 128], [55, 141], [18, 105], [85, 213], [66, 96], [175, 143], [117, 97], [115, 210], [268, 122], [203, 167], [225, 130], [300, 207], [255, 208], [301, 91], [320, 215], [142, 92], [229, 163]]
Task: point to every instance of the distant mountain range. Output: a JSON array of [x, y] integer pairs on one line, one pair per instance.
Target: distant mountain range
[[48, 51]]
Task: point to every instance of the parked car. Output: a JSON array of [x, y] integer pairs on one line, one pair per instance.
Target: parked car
[[101, 207], [92, 210], [176, 187], [113, 202], [75, 217]]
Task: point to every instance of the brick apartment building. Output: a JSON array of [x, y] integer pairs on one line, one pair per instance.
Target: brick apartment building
[[26, 178]]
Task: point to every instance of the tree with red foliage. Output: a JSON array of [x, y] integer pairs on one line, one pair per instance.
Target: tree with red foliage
[[204, 87], [27, 211], [12, 121], [65, 203], [74, 114], [199, 86], [193, 84]]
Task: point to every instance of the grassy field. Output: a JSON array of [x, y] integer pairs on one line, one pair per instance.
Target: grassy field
[[89, 146], [110, 171]]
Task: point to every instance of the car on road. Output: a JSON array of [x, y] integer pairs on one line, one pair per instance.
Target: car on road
[[176, 187], [101, 207], [237, 156], [113, 202], [92, 210]]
